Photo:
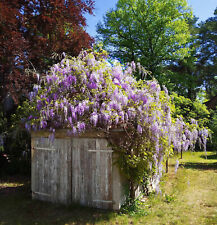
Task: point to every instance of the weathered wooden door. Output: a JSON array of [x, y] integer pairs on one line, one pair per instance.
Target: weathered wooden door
[[92, 172], [51, 169], [77, 170]]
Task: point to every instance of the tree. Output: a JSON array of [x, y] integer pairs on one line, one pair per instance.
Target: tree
[[184, 74], [12, 49], [188, 109], [30, 31], [197, 71], [208, 54], [152, 32]]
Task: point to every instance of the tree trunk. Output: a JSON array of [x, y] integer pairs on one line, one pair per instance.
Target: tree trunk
[[167, 165], [132, 191]]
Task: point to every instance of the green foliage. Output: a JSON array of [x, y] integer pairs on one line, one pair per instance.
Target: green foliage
[[213, 127], [188, 110], [207, 53], [17, 150], [135, 165], [150, 32], [15, 155], [169, 198], [188, 75], [134, 207], [3, 133], [3, 123], [183, 75]]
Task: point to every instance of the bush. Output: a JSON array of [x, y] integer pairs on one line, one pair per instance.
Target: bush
[[14, 144]]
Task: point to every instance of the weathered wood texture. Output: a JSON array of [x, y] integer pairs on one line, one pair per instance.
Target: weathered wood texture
[[91, 172], [77, 169], [51, 170]]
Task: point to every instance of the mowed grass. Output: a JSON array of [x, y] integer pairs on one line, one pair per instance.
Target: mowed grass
[[188, 197]]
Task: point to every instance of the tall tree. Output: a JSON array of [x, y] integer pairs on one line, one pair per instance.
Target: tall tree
[[30, 31], [152, 32], [184, 74], [208, 54], [197, 71]]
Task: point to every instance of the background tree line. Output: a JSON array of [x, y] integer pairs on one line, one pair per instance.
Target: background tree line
[[161, 35], [166, 39]]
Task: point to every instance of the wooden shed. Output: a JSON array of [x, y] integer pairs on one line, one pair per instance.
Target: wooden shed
[[76, 169]]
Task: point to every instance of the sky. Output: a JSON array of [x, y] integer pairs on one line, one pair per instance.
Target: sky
[[203, 9]]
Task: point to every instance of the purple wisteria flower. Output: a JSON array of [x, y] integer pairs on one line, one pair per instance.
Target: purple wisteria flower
[[139, 129], [176, 166], [94, 118]]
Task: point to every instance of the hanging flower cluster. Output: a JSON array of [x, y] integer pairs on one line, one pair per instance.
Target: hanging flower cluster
[[89, 92]]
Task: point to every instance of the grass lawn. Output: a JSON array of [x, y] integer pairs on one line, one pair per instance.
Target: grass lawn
[[188, 197]]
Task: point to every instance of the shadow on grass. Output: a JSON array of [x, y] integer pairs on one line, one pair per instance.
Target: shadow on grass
[[10, 190], [200, 166], [213, 156], [17, 207]]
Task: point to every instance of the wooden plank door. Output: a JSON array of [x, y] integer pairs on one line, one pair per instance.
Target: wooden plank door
[[51, 170], [92, 172]]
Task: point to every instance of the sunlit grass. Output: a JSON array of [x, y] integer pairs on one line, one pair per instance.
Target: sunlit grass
[[188, 197], [8, 185]]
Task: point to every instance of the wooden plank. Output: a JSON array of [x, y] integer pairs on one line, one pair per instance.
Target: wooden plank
[[109, 177], [103, 201], [41, 196], [110, 180], [103, 175], [100, 150], [90, 160], [53, 175], [65, 186], [93, 181], [83, 179], [40, 193], [42, 166], [58, 166], [56, 173], [62, 133], [48, 168], [86, 168], [102, 179], [39, 171], [37, 186], [59, 177], [97, 174], [33, 167], [41, 163], [70, 170], [43, 182], [45, 149], [63, 170], [62, 177], [46, 172], [75, 170]]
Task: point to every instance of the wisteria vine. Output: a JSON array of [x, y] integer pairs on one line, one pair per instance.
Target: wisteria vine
[[91, 92]]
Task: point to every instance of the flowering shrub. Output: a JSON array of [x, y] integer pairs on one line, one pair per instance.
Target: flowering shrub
[[91, 92]]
